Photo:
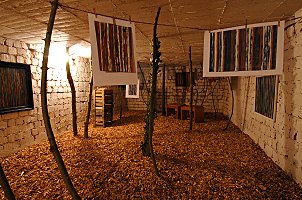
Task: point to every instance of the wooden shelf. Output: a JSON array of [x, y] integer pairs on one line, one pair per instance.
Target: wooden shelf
[[103, 111]]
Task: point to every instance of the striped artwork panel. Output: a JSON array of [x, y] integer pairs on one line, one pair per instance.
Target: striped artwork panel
[[115, 47], [15, 87], [243, 50], [265, 95]]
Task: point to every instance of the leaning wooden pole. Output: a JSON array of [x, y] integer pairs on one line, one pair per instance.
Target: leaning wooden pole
[[73, 97], [5, 186], [155, 61], [191, 90], [163, 108], [49, 132], [89, 104]]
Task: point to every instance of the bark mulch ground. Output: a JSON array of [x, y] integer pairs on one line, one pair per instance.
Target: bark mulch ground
[[207, 163]]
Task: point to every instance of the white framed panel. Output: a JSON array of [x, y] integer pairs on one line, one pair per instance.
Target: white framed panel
[[102, 77], [252, 50], [132, 91]]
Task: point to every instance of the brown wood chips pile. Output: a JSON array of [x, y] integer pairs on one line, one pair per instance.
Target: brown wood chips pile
[[206, 163]]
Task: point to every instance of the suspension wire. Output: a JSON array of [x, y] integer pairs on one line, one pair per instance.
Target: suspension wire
[[288, 18], [136, 21]]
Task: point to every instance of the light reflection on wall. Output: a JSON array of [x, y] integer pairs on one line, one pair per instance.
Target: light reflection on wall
[[57, 61]]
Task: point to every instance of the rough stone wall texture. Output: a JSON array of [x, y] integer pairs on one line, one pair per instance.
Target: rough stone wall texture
[[205, 91], [24, 128], [281, 137]]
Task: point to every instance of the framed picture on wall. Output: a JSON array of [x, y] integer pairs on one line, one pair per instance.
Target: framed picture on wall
[[132, 91], [252, 50], [15, 87]]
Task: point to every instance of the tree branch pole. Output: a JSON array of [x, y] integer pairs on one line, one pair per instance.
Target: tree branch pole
[[5, 186], [155, 61], [163, 108], [89, 104], [230, 118], [49, 132], [73, 97], [121, 103], [191, 90]]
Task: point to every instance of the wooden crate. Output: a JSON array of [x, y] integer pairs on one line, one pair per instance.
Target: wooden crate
[[103, 110]]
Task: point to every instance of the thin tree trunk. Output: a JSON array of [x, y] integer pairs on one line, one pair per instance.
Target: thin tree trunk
[[191, 90], [5, 186], [73, 97], [50, 135], [89, 105], [155, 61], [163, 111], [121, 103]]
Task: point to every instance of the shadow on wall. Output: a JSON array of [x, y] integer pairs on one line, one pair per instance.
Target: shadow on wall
[[237, 84]]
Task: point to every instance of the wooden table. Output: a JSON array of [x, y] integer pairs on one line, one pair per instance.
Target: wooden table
[[173, 109], [198, 113]]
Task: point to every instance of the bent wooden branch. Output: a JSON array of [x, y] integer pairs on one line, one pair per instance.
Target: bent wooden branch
[[49, 132], [73, 97], [89, 104], [155, 61], [5, 186]]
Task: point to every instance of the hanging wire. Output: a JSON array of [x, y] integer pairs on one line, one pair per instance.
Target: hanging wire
[[294, 23], [136, 21], [64, 7]]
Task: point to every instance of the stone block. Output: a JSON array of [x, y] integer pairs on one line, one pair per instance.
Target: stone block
[[12, 58], [34, 132], [23, 113], [9, 148], [9, 42], [21, 52], [24, 45], [3, 49], [4, 57], [20, 59], [35, 61], [3, 125], [2, 40], [11, 137], [10, 115], [12, 50], [19, 121], [28, 61], [17, 44], [11, 122], [3, 140]]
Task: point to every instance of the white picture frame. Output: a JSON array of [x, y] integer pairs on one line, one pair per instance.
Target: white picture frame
[[132, 91], [210, 46], [105, 78]]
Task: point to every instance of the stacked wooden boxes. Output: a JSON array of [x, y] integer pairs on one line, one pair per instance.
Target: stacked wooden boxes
[[103, 111]]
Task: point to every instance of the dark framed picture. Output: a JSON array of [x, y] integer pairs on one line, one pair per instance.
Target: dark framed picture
[[15, 87]]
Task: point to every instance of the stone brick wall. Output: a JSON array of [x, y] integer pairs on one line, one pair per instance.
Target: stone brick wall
[[24, 128], [208, 89], [281, 137]]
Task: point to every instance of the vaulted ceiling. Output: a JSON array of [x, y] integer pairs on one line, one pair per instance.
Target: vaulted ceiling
[[182, 21]]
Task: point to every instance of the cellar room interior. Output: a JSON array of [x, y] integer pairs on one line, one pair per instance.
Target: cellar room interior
[[173, 99]]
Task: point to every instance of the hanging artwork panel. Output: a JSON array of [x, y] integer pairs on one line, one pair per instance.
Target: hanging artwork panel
[[132, 91], [252, 50], [113, 51]]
